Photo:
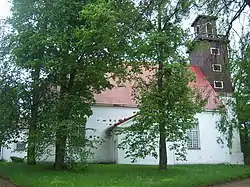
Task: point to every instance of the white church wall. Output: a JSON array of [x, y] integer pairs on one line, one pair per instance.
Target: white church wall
[[210, 152], [103, 117], [236, 156], [10, 150]]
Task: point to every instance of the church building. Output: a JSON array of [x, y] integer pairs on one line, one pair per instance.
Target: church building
[[116, 108]]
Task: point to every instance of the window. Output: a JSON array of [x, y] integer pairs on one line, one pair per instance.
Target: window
[[193, 137], [20, 146], [218, 84], [216, 67], [197, 30], [215, 51], [209, 28]]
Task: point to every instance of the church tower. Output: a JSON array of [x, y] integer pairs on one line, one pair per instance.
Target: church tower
[[209, 53]]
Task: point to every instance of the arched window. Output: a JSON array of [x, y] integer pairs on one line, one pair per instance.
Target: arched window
[[197, 30], [209, 29]]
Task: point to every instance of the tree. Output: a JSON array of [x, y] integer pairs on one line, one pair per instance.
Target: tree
[[68, 50], [238, 120], [9, 101], [167, 105], [163, 116], [9, 104], [27, 42], [96, 42]]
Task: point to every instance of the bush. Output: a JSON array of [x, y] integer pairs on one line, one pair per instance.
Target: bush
[[2, 160], [17, 159]]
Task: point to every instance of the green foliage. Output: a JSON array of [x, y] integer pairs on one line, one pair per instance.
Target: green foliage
[[167, 104], [9, 111], [235, 116], [16, 159], [65, 51], [180, 104], [9, 101], [228, 121]]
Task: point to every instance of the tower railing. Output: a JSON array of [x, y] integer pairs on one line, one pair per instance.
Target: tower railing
[[211, 36]]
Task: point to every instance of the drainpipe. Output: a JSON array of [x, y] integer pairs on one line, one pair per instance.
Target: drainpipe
[[173, 157], [2, 152]]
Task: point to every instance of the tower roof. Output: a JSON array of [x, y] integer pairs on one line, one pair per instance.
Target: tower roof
[[203, 17]]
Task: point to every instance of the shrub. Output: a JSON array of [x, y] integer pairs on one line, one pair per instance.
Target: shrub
[[2, 160], [17, 159]]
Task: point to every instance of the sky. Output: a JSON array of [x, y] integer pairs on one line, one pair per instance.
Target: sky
[[4, 8], [5, 11]]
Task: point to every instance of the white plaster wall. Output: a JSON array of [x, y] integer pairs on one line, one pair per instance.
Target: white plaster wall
[[236, 146], [210, 152], [103, 117], [49, 155], [237, 156], [9, 149]]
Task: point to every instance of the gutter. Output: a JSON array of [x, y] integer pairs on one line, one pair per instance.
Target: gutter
[[2, 152]]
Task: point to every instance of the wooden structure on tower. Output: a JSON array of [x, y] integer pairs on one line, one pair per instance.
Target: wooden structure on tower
[[209, 52]]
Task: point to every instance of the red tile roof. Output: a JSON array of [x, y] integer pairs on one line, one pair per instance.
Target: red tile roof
[[122, 96]]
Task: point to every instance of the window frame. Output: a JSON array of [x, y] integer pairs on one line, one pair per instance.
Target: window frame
[[191, 138], [20, 142], [213, 65], [212, 33], [211, 51], [197, 30], [222, 83]]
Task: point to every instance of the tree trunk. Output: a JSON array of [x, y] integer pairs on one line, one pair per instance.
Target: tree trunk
[[31, 153], [246, 146], [247, 157], [61, 138], [60, 149], [162, 148], [61, 134], [162, 129]]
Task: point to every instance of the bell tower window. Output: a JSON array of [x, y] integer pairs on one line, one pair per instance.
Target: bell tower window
[[209, 29], [218, 84], [215, 51], [197, 30], [216, 67]]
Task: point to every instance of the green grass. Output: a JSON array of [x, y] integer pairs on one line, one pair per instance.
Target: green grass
[[123, 175]]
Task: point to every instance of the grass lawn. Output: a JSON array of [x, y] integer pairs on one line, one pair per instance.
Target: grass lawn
[[123, 175]]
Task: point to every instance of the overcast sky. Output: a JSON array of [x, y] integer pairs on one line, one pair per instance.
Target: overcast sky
[[5, 11], [4, 8]]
